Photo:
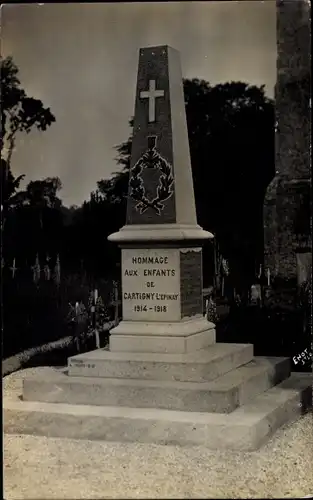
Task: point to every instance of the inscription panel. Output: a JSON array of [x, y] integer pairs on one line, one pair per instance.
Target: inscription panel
[[191, 282], [150, 285]]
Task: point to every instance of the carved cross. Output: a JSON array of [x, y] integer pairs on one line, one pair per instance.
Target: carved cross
[[151, 94]]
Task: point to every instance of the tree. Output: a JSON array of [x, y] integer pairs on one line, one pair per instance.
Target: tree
[[231, 137], [9, 186], [43, 193], [85, 239], [19, 113], [36, 223]]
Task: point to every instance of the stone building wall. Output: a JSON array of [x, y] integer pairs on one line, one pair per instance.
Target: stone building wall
[[288, 195]]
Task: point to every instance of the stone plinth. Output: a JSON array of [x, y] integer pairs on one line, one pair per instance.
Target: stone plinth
[[246, 428], [221, 395], [162, 302], [199, 366]]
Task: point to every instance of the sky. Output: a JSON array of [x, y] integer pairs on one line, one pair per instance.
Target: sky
[[81, 61]]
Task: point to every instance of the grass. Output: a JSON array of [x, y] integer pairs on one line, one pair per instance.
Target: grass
[[55, 353]]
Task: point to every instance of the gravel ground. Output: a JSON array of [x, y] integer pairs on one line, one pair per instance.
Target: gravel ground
[[38, 467]]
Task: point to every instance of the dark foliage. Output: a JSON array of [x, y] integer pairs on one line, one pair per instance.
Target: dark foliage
[[37, 314]]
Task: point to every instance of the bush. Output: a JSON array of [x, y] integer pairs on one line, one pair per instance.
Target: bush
[[272, 331]]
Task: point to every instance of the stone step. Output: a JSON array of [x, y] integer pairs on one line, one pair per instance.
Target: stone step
[[203, 365], [247, 428], [221, 395]]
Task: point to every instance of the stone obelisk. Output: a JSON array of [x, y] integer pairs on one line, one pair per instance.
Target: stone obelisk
[[161, 241]]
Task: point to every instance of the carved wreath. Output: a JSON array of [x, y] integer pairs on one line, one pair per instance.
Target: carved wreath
[[151, 159]]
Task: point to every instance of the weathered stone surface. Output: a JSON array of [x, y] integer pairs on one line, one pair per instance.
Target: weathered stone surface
[[247, 428], [154, 137], [150, 284], [157, 293], [161, 294], [288, 196], [166, 344], [160, 170], [191, 282], [222, 395], [199, 366]]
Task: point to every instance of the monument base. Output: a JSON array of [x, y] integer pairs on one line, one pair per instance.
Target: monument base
[[177, 337], [43, 411]]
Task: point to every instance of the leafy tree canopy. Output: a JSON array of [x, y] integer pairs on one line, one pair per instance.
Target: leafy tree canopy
[[19, 113]]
